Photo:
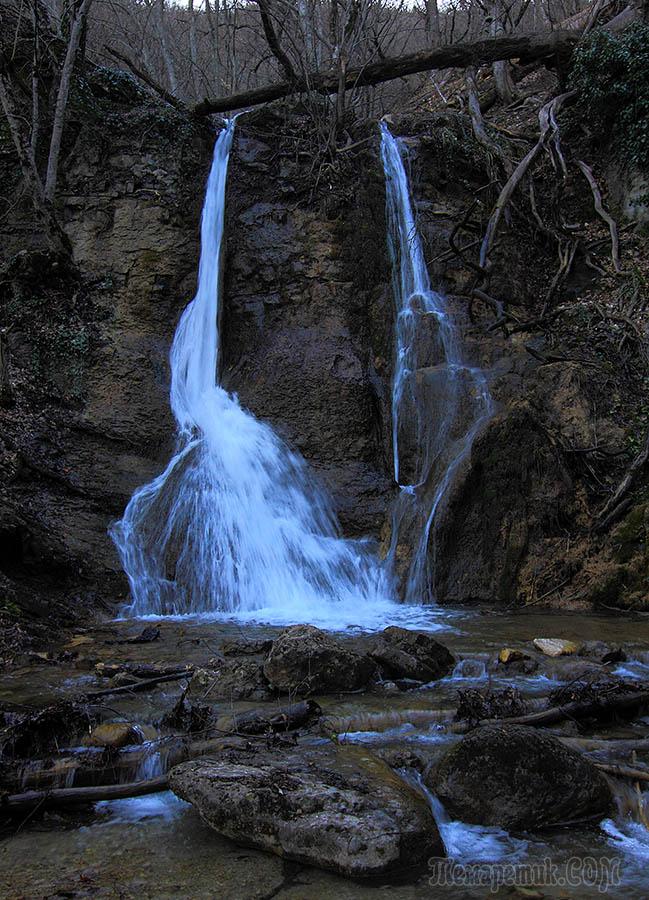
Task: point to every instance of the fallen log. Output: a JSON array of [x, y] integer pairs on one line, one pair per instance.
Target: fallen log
[[57, 797], [261, 721], [623, 771], [337, 726], [557, 45], [137, 686], [141, 670], [595, 745], [576, 710], [146, 78]]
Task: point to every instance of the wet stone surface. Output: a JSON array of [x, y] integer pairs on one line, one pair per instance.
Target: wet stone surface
[[157, 846]]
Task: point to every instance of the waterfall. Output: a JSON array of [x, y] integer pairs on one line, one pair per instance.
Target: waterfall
[[235, 524], [438, 402]]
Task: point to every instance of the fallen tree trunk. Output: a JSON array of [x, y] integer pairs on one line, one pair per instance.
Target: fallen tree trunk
[[262, 721], [579, 709], [540, 46], [28, 800]]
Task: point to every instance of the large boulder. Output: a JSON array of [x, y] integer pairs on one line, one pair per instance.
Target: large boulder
[[401, 653], [229, 679], [518, 778], [304, 660], [335, 809]]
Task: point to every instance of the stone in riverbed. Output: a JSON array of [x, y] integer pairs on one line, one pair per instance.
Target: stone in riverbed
[[401, 653], [517, 661], [245, 647], [519, 778], [508, 655], [304, 660], [114, 735], [335, 809], [229, 679], [555, 646]]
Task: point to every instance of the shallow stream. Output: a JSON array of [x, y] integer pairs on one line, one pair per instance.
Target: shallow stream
[[156, 846]]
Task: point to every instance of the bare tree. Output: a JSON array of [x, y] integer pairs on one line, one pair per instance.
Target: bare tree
[[62, 97]]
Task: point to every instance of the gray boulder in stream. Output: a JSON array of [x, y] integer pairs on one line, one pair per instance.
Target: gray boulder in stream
[[401, 653], [334, 809], [305, 660], [518, 777]]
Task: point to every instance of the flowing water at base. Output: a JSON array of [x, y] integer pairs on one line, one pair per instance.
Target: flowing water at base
[[157, 847]]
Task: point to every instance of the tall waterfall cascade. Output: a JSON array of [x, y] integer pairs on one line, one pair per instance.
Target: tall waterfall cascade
[[439, 403], [235, 524]]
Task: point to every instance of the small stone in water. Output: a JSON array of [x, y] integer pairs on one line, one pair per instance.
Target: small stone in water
[[555, 646], [507, 655], [114, 735]]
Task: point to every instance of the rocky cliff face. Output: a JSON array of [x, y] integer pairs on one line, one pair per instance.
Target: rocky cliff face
[[306, 327], [87, 419], [307, 345]]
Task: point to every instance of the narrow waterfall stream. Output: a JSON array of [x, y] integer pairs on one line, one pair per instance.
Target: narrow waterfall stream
[[236, 524], [439, 403]]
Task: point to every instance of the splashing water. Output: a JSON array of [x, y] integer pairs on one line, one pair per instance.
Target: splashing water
[[235, 524], [466, 843], [438, 402]]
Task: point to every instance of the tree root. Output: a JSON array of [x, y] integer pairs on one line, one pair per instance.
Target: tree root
[[603, 214]]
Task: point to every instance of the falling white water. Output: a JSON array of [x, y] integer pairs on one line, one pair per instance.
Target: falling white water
[[438, 402], [466, 843], [235, 524]]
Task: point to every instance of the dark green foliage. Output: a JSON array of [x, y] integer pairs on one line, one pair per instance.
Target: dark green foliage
[[611, 73]]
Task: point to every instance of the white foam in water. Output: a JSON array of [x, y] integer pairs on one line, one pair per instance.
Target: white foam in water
[[236, 525], [468, 670], [370, 616], [465, 843], [164, 805], [631, 839], [474, 671], [634, 669], [407, 733]]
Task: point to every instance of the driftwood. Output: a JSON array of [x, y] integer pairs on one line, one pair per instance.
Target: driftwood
[[57, 797], [577, 710], [334, 726], [597, 745], [260, 721], [540, 46], [89, 770], [137, 686], [231, 731], [620, 771]]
